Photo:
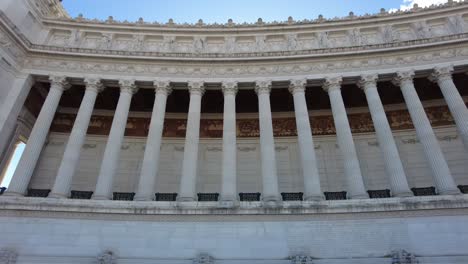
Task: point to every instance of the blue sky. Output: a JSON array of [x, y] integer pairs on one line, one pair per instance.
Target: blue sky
[[220, 10]]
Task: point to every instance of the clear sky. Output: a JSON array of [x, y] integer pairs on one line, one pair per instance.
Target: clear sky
[[221, 10]]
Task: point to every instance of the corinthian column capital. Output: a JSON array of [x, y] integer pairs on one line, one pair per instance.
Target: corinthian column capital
[[332, 83], [406, 76], [93, 84], [263, 86], [441, 73], [230, 87], [128, 86], [59, 82], [368, 80], [162, 86], [196, 87], [297, 85]]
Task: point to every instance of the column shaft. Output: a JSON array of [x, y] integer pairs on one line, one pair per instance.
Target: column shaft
[[77, 137], [436, 161], [111, 156], [229, 177], [393, 166], [312, 190], [188, 180], [352, 170], [37, 138], [270, 193], [443, 77], [149, 170]]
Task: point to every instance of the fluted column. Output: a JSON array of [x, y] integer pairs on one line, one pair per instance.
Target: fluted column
[[443, 77], [111, 156], [77, 137], [192, 137], [352, 170], [229, 180], [270, 195], [37, 138], [393, 166], [150, 165], [312, 190], [434, 156]]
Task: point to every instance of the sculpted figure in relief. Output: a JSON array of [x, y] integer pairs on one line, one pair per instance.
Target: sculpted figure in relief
[[106, 41], [292, 42], [456, 24], [354, 36], [421, 30], [260, 42], [388, 34], [198, 45], [323, 40], [138, 42], [230, 44]]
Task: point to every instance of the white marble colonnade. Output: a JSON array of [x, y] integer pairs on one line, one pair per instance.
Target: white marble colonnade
[[270, 195]]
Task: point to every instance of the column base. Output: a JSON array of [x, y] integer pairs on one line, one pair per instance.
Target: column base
[[186, 199], [13, 194], [403, 194], [100, 197], [272, 201], [314, 198], [359, 196], [450, 192], [142, 198], [57, 196], [226, 204]]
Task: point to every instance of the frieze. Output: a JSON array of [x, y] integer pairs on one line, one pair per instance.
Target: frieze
[[282, 127]]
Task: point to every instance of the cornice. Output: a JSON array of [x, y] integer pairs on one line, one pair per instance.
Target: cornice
[[231, 25]]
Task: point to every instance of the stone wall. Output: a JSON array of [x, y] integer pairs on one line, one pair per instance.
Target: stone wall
[[249, 175]]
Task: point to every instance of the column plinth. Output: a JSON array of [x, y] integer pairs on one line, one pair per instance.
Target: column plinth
[[352, 170], [310, 173], [228, 197], [28, 161], [187, 191], [434, 156], [111, 156], [150, 165], [393, 166], [270, 196]]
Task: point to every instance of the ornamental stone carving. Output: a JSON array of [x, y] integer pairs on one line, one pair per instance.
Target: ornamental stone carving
[[332, 83], [367, 80], [196, 87], [59, 82], [8, 256], [230, 87], [401, 77], [128, 86], [263, 86], [403, 257], [107, 257], [94, 84], [297, 85], [441, 73], [203, 259], [162, 86]]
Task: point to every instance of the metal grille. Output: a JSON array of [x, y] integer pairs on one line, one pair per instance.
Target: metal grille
[[335, 195], [37, 193], [81, 195], [123, 196], [292, 196], [249, 197], [426, 191], [375, 194], [463, 188], [168, 197], [208, 197]]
